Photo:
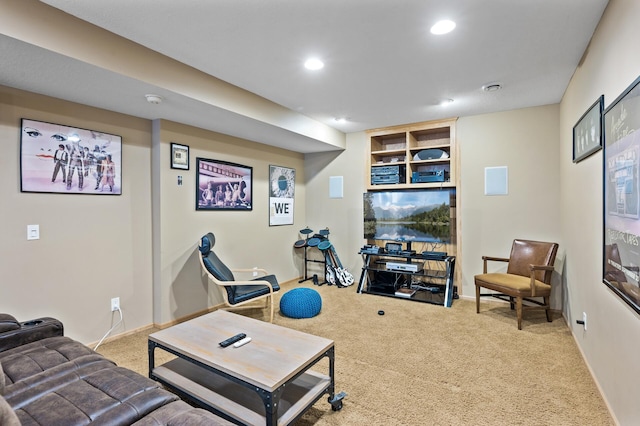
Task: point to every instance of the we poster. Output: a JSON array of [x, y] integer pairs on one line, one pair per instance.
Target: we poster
[[281, 195]]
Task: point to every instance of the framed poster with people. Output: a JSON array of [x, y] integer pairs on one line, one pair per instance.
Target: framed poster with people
[[55, 158], [221, 185]]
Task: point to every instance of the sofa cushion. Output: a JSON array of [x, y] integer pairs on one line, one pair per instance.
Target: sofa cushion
[[34, 386], [29, 360], [107, 396]]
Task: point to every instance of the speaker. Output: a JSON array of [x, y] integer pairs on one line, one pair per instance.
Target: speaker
[[496, 180], [430, 154], [336, 187]]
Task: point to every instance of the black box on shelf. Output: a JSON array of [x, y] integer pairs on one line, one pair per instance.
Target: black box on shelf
[[387, 170], [430, 176], [387, 279], [383, 175]]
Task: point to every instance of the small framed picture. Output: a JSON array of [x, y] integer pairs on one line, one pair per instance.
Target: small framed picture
[[179, 156], [587, 133]]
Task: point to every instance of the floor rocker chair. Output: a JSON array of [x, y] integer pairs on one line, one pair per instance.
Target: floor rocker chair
[[528, 276], [236, 294]]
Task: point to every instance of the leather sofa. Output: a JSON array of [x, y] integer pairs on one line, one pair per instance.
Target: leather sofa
[[49, 379]]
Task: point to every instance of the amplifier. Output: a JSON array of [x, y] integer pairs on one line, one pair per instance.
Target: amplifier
[[430, 176], [384, 179], [403, 267], [385, 170]]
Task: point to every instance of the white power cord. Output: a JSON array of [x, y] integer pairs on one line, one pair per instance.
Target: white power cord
[[110, 330]]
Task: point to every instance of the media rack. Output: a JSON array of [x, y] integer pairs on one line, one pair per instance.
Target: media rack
[[433, 281]]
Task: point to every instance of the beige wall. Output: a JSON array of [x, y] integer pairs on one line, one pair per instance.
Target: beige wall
[[91, 248], [526, 142], [612, 340], [343, 216], [244, 239]]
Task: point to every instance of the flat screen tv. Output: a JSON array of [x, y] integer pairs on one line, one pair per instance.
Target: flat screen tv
[[408, 215]]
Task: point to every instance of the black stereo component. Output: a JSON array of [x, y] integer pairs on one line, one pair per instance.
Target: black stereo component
[[388, 174], [430, 176], [381, 180], [434, 255], [385, 170]]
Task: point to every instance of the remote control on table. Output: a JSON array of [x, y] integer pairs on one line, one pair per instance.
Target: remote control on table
[[242, 342], [232, 340]]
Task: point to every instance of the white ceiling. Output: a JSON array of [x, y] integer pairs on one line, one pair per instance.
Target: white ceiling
[[382, 65]]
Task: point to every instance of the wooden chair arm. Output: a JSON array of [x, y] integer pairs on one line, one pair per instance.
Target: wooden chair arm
[[252, 282], [485, 259], [541, 268], [533, 269], [262, 271], [498, 259]]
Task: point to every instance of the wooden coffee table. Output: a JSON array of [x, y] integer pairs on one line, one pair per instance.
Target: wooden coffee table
[[267, 381]]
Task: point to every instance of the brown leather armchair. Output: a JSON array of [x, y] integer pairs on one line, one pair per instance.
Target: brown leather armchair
[[528, 275]]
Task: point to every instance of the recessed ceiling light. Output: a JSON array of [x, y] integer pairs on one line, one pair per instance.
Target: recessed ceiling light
[[446, 102], [443, 27], [492, 87], [341, 119], [313, 64]]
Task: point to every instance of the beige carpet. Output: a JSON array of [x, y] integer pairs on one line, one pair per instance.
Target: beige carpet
[[423, 364]]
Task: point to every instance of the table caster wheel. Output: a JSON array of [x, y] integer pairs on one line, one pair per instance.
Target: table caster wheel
[[336, 401]]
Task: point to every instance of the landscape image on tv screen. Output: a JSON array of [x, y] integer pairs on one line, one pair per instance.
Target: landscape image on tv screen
[[411, 215]]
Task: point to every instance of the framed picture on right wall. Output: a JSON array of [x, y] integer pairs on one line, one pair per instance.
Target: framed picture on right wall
[[621, 200], [587, 133]]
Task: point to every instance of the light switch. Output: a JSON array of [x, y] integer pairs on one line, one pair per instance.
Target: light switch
[[33, 232]]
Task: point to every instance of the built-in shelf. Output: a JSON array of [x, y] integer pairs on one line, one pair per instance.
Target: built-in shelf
[[420, 155]]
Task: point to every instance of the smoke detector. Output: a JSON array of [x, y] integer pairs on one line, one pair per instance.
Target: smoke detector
[[154, 99]]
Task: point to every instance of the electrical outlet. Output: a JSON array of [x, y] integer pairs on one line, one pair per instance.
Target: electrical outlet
[[115, 304], [255, 272], [584, 320]]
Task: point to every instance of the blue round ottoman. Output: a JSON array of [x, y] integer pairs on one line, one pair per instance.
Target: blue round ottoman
[[301, 303]]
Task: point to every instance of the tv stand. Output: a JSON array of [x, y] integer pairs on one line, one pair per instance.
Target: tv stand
[[430, 277]]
